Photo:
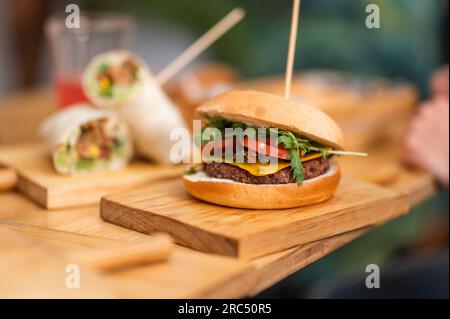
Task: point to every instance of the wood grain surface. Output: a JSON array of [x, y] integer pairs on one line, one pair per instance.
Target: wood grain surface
[[30, 269], [166, 206], [38, 180], [187, 274], [384, 167]]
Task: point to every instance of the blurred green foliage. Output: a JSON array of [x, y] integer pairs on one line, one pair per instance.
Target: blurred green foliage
[[332, 33]]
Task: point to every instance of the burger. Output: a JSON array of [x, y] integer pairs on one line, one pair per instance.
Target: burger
[[284, 159]]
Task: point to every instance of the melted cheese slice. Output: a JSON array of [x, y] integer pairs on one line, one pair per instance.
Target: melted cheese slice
[[259, 169], [310, 157]]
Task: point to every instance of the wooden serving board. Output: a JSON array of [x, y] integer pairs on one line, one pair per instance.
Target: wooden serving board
[[384, 167], [187, 274], [32, 268], [38, 180], [166, 206]]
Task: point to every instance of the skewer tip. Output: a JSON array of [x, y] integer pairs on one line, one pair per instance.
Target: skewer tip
[[239, 12]]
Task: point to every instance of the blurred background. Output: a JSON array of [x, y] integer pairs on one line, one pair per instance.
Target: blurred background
[[410, 46], [411, 43]]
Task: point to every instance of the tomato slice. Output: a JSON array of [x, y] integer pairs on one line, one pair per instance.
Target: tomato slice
[[225, 143], [266, 149], [209, 147], [253, 145]]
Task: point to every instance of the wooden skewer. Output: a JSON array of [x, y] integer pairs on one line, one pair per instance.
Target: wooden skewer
[[196, 48], [8, 179], [156, 249], [291, 51]]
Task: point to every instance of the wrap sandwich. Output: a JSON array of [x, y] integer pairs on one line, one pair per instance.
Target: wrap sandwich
[[120, 81], [83, 139]]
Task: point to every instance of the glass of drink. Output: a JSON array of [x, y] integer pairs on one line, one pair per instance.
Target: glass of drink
[[73, 48]]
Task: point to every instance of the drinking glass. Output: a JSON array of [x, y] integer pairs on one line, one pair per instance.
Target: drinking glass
[[73, 48]]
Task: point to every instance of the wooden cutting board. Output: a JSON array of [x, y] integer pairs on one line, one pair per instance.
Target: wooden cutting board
[[166, 206], [185, 274], [8, 178], [35, 270], [38, 180], [384, 167]]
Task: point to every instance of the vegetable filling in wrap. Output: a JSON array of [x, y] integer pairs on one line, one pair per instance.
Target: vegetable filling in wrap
[[112, 79], [119, 81], [84, 139]]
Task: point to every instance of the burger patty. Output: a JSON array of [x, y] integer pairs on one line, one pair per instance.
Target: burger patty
[[311, 169]]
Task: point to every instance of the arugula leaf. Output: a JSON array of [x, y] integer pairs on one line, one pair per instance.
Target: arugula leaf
[[290, 142], [239, 125], [288, 139], [217, 122], [220, 124], [323, 152], [296, 166], [287, 142]]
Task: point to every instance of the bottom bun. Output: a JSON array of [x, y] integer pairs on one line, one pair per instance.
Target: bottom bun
[[240, 195]]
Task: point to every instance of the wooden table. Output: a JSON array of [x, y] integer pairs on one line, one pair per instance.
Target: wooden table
[[32, 238]]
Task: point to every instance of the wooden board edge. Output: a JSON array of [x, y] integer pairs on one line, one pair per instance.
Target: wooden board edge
[[32, 190], [120, 215], [399, 205], [296, 258], [418, 195], [238, 286], [54, 199]]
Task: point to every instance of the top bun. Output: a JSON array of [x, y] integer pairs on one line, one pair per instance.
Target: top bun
[[269, 110]]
